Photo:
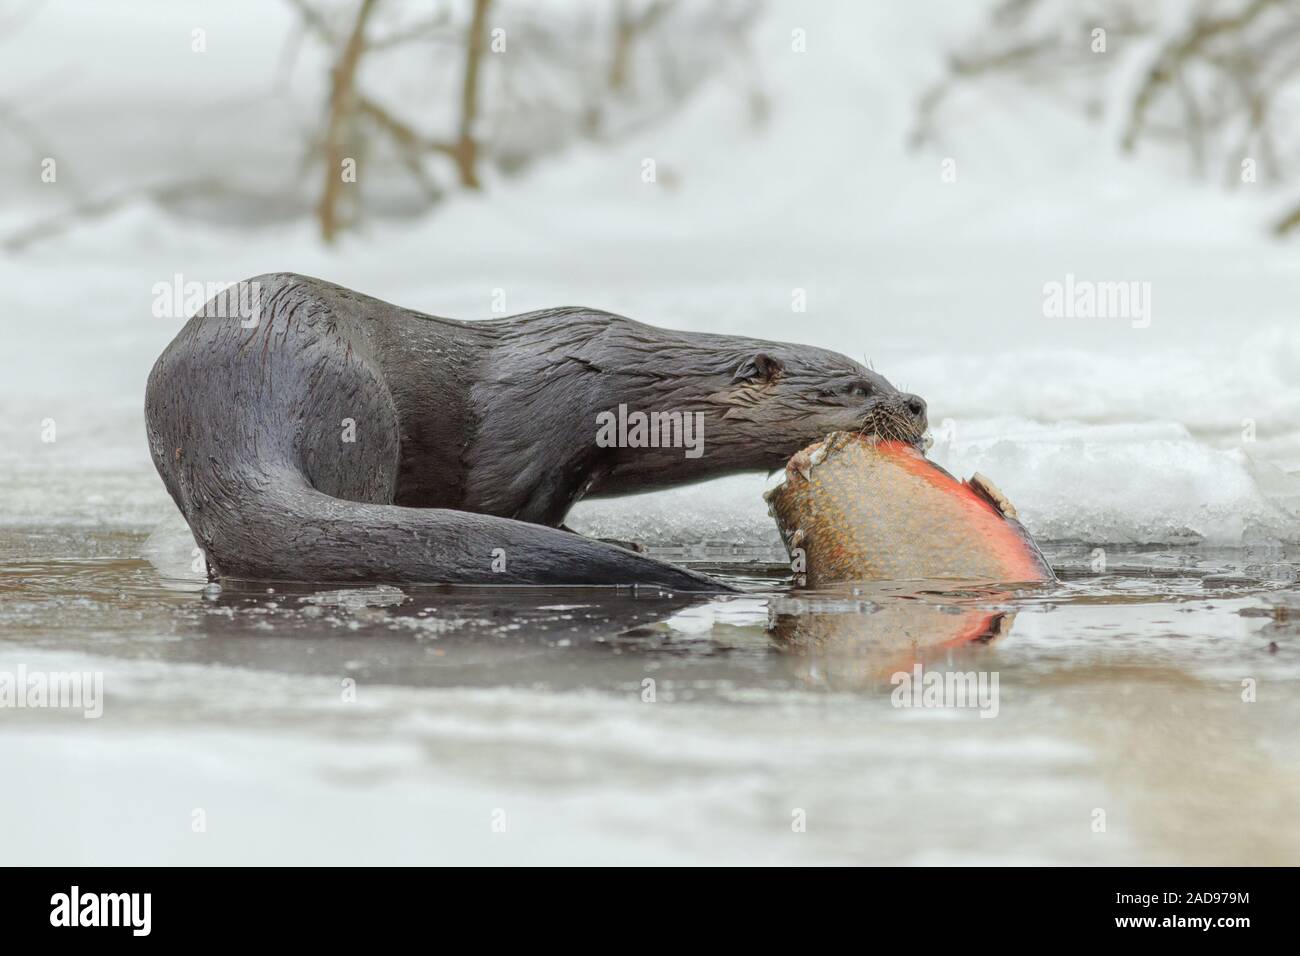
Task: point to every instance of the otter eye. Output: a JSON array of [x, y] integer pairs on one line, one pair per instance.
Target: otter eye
[[858, 389]]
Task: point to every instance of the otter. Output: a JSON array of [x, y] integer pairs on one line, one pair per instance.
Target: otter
[[311, 433]]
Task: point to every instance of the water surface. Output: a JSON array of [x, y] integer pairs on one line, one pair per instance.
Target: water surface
[[585, 725]]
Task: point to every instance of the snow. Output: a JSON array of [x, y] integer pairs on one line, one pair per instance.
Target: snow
[[1096, 430]]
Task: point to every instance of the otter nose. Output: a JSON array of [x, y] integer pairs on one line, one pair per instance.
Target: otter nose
[[914, 404]]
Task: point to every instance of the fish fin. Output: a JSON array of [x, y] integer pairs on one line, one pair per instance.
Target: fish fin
[[837, 441], [990, 493], [800, 463]]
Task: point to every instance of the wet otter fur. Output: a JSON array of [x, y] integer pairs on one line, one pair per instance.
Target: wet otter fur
[[312, 433]]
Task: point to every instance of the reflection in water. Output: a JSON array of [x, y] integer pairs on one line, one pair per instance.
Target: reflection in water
[[434, 636], [844, 644]]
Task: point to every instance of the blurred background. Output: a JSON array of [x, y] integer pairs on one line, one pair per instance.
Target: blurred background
[[903, 182], [899, 182]]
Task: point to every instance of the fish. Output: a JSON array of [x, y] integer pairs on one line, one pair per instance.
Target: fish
[[854, 507]]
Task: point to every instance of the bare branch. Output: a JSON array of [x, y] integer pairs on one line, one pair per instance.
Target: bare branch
[[339, 127], [1169, 62]]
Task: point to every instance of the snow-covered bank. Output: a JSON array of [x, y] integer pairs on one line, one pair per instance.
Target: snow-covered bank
[[1187, 428], [1135, 438]]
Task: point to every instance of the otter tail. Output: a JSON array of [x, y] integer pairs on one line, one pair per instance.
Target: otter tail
[[286, 530]]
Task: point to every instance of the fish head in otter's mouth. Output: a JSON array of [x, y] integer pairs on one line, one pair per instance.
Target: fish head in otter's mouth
[[786, 397]]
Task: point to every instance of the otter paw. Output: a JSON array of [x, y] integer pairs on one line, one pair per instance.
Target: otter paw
[[629, 545]]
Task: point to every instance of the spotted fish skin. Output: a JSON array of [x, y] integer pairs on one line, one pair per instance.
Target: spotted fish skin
[[853, 508]]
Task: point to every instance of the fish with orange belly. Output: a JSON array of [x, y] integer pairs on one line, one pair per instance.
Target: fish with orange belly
[[855, 508]]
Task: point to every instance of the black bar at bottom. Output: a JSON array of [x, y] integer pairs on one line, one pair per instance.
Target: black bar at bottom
[[299, 905]]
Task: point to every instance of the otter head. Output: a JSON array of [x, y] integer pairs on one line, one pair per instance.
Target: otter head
[[782, 398], [751, 403]]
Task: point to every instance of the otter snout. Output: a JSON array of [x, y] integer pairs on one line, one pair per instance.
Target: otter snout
[[914, 410], [901, 417], [916, 405]]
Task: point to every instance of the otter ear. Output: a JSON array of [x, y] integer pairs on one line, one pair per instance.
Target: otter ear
[[762, 368]]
